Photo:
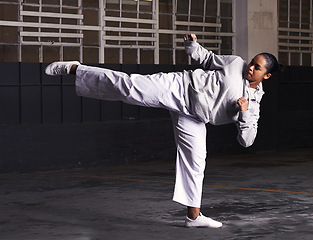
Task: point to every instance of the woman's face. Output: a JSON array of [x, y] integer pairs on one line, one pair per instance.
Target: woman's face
[[256, 70]]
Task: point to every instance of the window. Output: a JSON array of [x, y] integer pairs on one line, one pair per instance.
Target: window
[[295, 32], [112, 31]]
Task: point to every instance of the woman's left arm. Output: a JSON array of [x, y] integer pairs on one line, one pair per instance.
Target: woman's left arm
[[247, 123]]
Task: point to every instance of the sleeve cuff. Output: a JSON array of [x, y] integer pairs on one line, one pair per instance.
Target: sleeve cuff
[[243, 115], [190, 43]]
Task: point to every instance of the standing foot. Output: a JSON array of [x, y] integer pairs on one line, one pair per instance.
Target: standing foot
[[202, 221]]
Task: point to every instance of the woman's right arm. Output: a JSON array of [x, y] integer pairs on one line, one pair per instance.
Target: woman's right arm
[[196, 51], [206, 58]]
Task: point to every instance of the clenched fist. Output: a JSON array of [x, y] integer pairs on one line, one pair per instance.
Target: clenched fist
[[191, 37], [243, 104]]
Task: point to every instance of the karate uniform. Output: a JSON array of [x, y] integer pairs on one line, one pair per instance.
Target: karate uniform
[[194, 98]]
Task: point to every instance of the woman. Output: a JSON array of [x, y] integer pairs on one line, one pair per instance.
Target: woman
[[225, 90]]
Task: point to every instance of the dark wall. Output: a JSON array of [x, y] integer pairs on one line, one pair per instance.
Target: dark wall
[[45, 125], [295, 108]]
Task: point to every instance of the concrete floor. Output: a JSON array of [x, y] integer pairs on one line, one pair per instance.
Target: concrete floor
[[257, 196]]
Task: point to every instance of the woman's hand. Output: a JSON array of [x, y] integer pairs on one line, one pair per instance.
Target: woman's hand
[[243, 104], [191, 37]]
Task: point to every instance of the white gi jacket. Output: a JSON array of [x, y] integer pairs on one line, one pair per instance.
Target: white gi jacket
[[212, 92]]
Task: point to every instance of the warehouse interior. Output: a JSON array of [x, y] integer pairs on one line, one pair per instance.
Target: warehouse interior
[[79, 168]]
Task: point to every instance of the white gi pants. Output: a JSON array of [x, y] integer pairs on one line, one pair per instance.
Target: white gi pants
[[160, 90]]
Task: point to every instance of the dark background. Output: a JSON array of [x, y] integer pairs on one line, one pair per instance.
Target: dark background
[[44, 125]]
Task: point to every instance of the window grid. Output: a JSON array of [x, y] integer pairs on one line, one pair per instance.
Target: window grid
[[51, 27], [295, 32], [113, 31]]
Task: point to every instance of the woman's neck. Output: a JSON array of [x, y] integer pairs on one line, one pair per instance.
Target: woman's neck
[[254, 84]]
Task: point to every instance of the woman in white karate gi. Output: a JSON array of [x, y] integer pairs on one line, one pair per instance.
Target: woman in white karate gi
[[225, 90]]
